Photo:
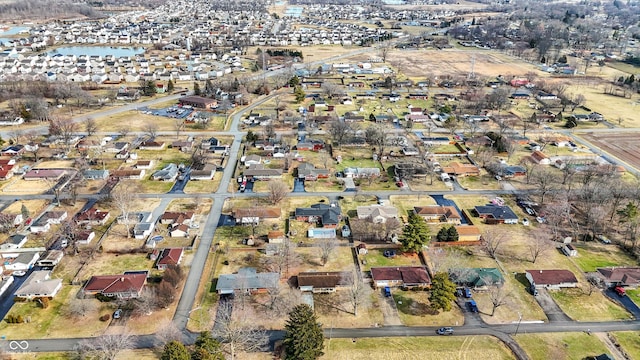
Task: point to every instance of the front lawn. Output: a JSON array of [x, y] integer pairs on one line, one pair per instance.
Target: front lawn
[[435, 348], [414, 310], [560, 345], [592, 256], [582, 307]]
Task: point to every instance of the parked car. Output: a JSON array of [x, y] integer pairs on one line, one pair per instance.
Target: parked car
[[64, 243], [387, 291], [498, 177], [117, 314], [533, 290], [19, 273], [473, 307], [445, 331], [620, 291], [525, 222], [389, 253], [467, 293], [603, 239], [540, 219], [529, 211]]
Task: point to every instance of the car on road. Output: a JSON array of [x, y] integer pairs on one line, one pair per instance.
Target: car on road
[[387, 291], [117, 314], [445, 331]]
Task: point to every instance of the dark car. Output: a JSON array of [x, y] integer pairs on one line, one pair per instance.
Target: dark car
[[389, 253], [445, 331], [387, 291], [467, 293]]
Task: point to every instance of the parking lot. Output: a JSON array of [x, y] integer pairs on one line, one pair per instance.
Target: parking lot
[[175, 112]]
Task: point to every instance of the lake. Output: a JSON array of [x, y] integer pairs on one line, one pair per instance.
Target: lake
[[97, 50], [13, 31]]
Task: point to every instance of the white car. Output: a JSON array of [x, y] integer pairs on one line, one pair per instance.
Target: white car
[[540, 219], [19, 273], [525, 222]]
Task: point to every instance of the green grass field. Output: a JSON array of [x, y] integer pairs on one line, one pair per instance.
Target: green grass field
[[560, 345]]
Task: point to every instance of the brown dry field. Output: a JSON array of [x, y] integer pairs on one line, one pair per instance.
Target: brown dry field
[[621, 145], [418, 63]]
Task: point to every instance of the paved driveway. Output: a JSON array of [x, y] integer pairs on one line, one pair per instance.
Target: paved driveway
[[298, 185], [550, 308], [389, 309], [625, 301]]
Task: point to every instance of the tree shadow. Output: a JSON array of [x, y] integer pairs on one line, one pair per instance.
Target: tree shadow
[[330, 303], [412, 307]]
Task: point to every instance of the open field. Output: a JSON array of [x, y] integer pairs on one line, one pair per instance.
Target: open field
[[621, 145], [592, 255], [560, 345], [432, 348], [612, 107]]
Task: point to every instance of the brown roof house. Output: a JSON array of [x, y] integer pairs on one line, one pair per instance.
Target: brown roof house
[[172, 217], [167, 257], [324, 282], [255, 214], [438, 214], [44, 174], [457, 169], [540, 158], [551, 279], [125, 286], [92, 216], [403, 276], [468, 233], [275, 237], [620, 276]]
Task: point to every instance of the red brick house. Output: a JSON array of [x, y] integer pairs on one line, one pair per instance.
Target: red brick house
[[125, 286], [168, 257]]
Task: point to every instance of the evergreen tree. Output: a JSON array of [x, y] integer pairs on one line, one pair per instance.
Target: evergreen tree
[[452, 234], [442, 234], [196, 89], [149, 88], [294, 81], [175, 350], [25, 212], [415, 234], [170, 86], [299, 94], [207, 347], [303, 338], [443, 292]]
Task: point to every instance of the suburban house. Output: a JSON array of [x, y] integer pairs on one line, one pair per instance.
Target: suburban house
[[477, 278], [439, 214], [19, 261], [275, 237], [377, 214], [167, 173], [510, 171], [205, 173], [124, 286], [44, 174], [551, 279], [144, 164], [251, 160], [39, 284], [151, 145], [457, 169], [254, 215], [95, 174], [15, 241], [620, 276], [50, 258], [309, 172], [468, 233], [324, 282], [173, 218], [247, 281], [403, 276], [92, 216], [321, 214], [167, 257], [44, 222], [495, 214], [179, 230], [258, 171], [142, 230], [135, 174], [361, 172], [540, 158]]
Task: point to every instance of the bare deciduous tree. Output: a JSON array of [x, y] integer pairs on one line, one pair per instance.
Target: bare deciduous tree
[[90, 126], [358, 292], [284, 258], [80, 307], [124, 197], [124, 130], [178, 126], [545, 181], [278, 190], [539, 243], [151, 129], [239, 333], [499, 296], [339, 130], [327, 246], [65, 128], [105, 347], [493, 239]]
